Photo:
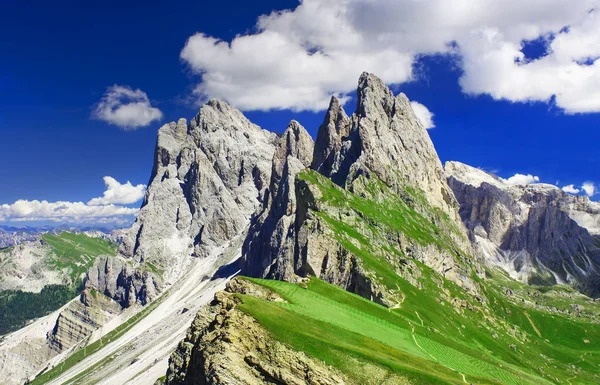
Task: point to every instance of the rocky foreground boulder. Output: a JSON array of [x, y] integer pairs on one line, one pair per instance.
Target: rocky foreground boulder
[[226, 346]]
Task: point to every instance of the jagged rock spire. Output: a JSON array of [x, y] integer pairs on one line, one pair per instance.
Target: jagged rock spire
[[383, 137], [269, 248], [333, 130]]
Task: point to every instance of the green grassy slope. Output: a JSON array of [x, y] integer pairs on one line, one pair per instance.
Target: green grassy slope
[[426, 342], [77, 252], [437, 333], [73, 253]]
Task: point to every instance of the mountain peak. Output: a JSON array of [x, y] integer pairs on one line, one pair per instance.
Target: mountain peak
[[333, 130], [373, 96]]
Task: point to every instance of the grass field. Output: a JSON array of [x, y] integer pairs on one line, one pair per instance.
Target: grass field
[[422, 341], [437, 333], [77, 252]]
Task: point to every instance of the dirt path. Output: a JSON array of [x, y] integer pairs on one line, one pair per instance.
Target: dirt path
[[533, 325]]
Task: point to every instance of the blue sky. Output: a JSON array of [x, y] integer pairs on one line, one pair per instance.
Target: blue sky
[[59, 59]]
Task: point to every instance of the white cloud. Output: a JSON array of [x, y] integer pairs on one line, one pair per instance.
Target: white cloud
[[423, 114], [521, 179], [26, 210], [297, 58], [106, 209], [571, 189], [117, 193], [126, 108], [589, 188]]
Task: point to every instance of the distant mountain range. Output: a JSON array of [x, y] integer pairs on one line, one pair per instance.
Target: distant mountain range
[[13, 235]]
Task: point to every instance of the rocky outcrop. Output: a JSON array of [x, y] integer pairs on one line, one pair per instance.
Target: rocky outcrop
[[331, 135], [81, 318], [226, 346], [537, 233], [269, 249], [382, 142], [209, 177], [383, 137], [116, 278]]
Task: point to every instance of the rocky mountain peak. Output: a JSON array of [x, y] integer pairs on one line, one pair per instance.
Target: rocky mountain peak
[[296, 142], [331, 134], [383, 137], [373, 97], [208, 178], [270, 246]]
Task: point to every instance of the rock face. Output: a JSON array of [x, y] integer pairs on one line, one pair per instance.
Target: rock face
[[382, 142], [226, 346], [270, 246], [208, 178], [116, 278], [383, 137], [81, 318], [537, 233]]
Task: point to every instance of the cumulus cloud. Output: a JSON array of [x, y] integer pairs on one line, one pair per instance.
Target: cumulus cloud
[[571, 189], [521, 179], [297, 58], [126, 108], [117, 193], [423, 114], [106, 209], [26, 210], [589, 188]]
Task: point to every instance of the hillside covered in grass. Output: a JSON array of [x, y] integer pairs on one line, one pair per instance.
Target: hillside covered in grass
[[423, 341], [64, 257], [431, 330]]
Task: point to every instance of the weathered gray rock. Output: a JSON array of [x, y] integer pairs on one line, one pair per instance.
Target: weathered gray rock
[[226, 346], [537, 233], [269, 249], [81, 318], [330, 137], [117, 278], [208, 178], [383, 137]]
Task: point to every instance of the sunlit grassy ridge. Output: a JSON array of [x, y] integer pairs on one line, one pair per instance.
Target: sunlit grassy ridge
[[427, 341], [77, 252], [437, 333]]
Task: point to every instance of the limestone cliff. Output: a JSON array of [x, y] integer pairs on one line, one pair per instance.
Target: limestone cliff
[[270, 246], [81, 318], [537, 233]]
